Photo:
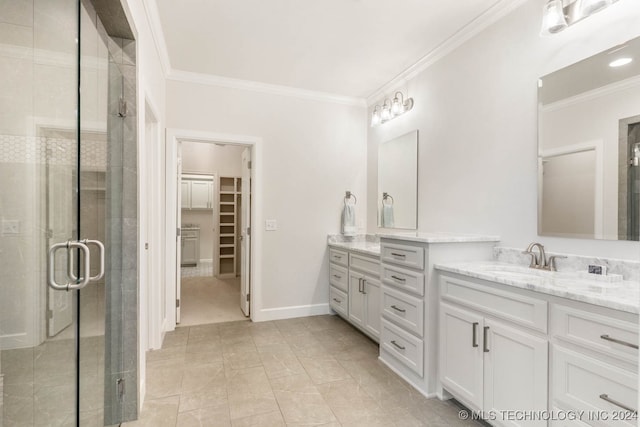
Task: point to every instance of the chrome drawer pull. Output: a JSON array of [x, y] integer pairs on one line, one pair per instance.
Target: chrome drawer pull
[[397, 345], [606, 397], [400, 279], [398, 309], [400, 255], [485, 344], [628, 344], [474, 339], [337, 256], [337, 300], [337, 277]]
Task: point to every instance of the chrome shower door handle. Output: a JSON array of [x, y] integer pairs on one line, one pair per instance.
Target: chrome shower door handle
[[74, 283], [100, 247]]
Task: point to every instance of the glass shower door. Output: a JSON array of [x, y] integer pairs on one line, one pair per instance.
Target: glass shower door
[[53, 155]]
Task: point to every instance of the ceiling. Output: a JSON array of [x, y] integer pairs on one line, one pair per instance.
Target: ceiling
[[345, 47]]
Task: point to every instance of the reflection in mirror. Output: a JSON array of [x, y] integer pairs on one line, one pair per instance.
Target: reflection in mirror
[[398, 182], [589, 147]]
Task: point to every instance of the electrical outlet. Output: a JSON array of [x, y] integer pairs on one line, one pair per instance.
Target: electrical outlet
[[10, 227], [271, 225]]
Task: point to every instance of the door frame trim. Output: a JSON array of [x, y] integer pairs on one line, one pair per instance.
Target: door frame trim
[[173, 138]]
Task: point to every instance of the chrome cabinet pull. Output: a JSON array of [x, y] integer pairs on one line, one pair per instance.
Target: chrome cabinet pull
[[617, 341], [398, 309], [485, 344], [364, 283], [76, 283], [337, 300], [399, 279], [474, 339], [397, 345], [606, 398], [337, 277], [399, 255], [337, 256]]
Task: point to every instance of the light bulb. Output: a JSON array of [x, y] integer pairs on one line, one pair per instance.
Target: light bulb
[[375, 117], [397, 107], [386, 113], [589, 7], [553, 19]]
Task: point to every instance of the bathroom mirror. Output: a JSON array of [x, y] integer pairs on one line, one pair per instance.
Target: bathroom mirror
[[398, 182], [589, 147]]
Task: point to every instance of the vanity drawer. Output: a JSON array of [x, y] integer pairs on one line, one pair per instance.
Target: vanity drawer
[[339, 276], [408, 256], [365, 264], [580, 382], [401, 278], [403, 309], [403, 346], [339, 257], [588, 329], [339, 301], [511, 306]]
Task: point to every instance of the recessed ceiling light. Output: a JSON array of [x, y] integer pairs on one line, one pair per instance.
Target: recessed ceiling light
[[620, 62]]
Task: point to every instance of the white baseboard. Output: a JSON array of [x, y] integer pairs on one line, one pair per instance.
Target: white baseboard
[[291, 312]]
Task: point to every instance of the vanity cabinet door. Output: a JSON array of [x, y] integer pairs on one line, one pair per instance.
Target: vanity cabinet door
[[372, 306], [356, 299], [461, 354], [515, 371]]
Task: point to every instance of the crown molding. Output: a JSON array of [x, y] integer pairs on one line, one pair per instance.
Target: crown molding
[[153, 18], [254, 86], [496, 12], [599, 92]]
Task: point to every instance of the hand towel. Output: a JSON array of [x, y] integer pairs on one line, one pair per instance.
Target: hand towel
[[349, 220], [387, 216]]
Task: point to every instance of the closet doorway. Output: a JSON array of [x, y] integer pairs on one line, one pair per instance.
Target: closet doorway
[[214, 215]]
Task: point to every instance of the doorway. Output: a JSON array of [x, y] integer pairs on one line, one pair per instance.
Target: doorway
[[215, 191], [233, 256]]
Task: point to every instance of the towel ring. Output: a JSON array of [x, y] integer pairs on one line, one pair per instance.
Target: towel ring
[[386, 196], [348, 195]]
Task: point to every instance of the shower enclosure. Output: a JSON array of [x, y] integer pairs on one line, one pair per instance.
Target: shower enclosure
[[68, 214]]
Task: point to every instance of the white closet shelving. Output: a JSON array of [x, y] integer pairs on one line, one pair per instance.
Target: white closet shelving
[[229, 193]]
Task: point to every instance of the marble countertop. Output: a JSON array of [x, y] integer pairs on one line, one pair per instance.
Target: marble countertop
[[439, 237], [606, 291], [362, 246]]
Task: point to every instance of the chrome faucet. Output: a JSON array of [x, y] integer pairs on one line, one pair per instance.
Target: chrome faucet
[[540, 261]]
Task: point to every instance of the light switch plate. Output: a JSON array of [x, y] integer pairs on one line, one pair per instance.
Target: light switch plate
[[271, 225], [10, 227]]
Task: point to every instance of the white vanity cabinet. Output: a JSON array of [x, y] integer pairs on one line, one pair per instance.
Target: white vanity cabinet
[[364, 293], [594, 362], [190, 251], [409, 304], [354, 291], [488, 359]]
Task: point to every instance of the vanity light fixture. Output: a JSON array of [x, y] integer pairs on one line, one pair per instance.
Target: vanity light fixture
[[391, 109], [620, 62], [560, 14]]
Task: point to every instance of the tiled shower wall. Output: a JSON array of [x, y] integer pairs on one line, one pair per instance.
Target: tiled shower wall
[[122, 216]]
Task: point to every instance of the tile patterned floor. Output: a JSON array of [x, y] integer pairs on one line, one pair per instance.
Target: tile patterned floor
[[204, 268], [313, 371]]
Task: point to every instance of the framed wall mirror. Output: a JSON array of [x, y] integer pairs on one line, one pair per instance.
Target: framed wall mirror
[[398, 182], [589, 147]]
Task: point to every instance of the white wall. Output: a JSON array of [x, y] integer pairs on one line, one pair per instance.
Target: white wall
[[476, 112], [312, 152], [207, 158]]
